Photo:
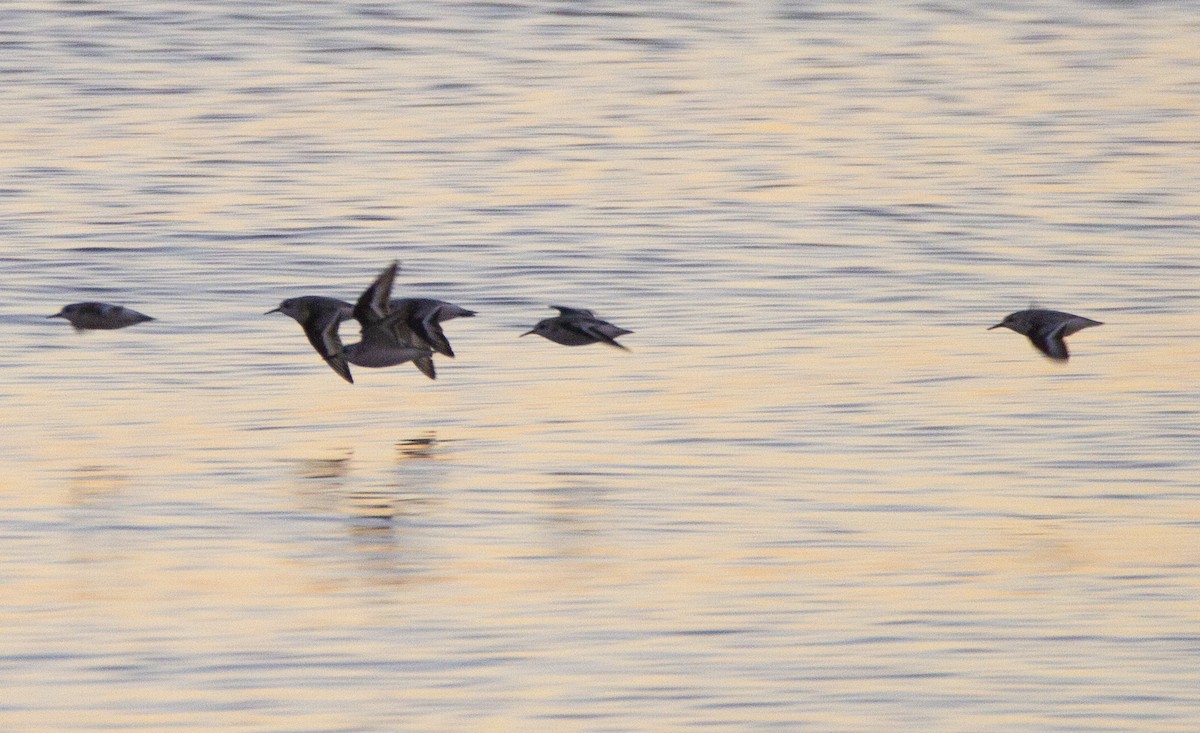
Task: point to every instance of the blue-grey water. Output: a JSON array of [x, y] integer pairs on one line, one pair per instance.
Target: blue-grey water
[[815, 495]]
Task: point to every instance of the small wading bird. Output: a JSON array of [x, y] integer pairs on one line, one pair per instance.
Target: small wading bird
[[100, 316], [577, 327], [386, 339], [1047, 329]]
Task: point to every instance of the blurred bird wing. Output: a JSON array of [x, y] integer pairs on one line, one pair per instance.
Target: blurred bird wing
[[565, 311], [372, 305], [1078, 323], [424, 363], [1050, 342], [394, 326], [322, 332], [428, 327], [598, 330]]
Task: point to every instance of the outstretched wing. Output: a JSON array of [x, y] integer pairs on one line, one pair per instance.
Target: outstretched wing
[[1050, 342], [424, 363], [394, 326], [372, 305], [1078, 323], [597, 330], [565, 311], [424, 323], [322, 332]]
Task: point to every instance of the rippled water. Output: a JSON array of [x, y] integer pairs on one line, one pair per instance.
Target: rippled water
[[816, 495]]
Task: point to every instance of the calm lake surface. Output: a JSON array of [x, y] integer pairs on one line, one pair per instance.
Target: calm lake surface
[[815, 495]]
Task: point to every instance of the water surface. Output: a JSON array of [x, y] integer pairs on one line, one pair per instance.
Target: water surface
[[816, 495]]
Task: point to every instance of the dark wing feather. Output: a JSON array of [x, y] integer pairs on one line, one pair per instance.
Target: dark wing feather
[[563, 310], [372, 305], [322, 332], [1050, 342], [594, 329], [424, 364], [394, 325], [430, 331]]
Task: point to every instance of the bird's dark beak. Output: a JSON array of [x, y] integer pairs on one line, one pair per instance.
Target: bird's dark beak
[[57, 315], [998, 325], [273, 310], [528, 332]]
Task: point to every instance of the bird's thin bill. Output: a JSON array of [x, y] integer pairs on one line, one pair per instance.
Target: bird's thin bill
[[273, 310], [528, 332], [998, 325]]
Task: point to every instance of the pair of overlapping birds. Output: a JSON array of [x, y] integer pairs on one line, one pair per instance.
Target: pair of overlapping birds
[[392, 331]]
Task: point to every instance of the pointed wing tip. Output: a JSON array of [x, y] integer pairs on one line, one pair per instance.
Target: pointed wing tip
[[438, 342], [424, 364], [339, 365]]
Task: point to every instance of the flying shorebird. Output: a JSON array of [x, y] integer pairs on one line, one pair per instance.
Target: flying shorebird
[[101, 316], [1047, 329], [577, 327]]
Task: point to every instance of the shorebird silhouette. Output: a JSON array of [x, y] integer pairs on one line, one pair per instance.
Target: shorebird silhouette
[[1046, 329], [577, 327], [100, 316]]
